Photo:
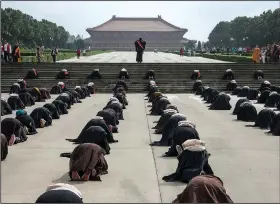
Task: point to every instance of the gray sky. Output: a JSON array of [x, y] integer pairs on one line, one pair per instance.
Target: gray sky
[[197, 16]]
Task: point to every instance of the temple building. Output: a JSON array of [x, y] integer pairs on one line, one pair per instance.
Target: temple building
[[120, 33]]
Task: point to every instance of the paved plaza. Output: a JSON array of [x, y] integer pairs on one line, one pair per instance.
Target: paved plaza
[[246, 158], [148, 57]]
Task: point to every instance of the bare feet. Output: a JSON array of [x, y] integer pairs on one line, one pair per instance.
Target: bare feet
[[86, 177]]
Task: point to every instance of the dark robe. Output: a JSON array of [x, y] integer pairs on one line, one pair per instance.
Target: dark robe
[[94, 75], [204, 189], [195, 75], [247, 112], [196, 85], [80, 92], [180, 135], [22, 84], [26, 98], [10, 126], [170, 106], [65, 99], [264, 85], [258, 74], [140, 46], [199, 90], [4, 147], [253, 94], [149, 85], [86, 91], [45, 93], [15, 103], [27, 121], [41, 113], [91, 89], [152, 90], [160, 106], [265, 118], [123, 75], [5, 108], [231, 86], [236, 91], [63, 75], [36, 94], [272, 100], [117, 108], [206, 94], [278, 106], [244, 92], [275, 126], [76, 96], [110, 116], [121, 90], [59, 196], [167, 135], [228, 75], [122, 99], [190, 165], [61, 107], [53, 110], [212, 95], [56, 89], [221, 102], [264, 96], [32, 74], [162, 122], [237, 105], [121, 83], [14, 89], [150, 74], [88, 158], [94, 134]]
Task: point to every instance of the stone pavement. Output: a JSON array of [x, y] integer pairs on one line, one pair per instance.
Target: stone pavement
[[247, 159], [148, 57]]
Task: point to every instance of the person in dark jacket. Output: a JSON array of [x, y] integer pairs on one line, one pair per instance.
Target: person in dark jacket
[[60, 106], [196, 75], [110, 117], [150, 74], [140, 46], [123, 74], [32, 74], [42, 117], [15, 102], [63, 74], [5, 108], [54, 53], [53, 110], [95, 74], [26, 121], [26, 98], [15, 88], [228, 75]]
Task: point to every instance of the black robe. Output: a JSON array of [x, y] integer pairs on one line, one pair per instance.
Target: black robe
[[150, 74], [212, 95], [190, 165], [139, 50], [121, 83], [63, 75], [81, 93], [36, 94], [162, 122], [86, 91], [206, 94], [94, 75], [71, 97], [27, 121], [123, 74], [231, 86], [4, 147], [265, 118], [199, 90], [45, 93], [196, 85], [5, 108], [247, 112], [56, 89], [228, 75], [41, 113], [236, 91], [61, 107], [94, 134], [65, 99], [110, 116], [152, 90], [221, 102], [258, 74], [26, 98], [15, 89], [76, 96], [264, 96], [272, 100], [91, 89], [180, 135], [160, 106], [237, 105], [122, 99], [121, 90], [195, 75], [166, 138], [244, 92], [15, 103], [10, 126], [170, 106], [264, 86], [32, 74], [53, 110], [100, 123], [275, 126], [117, 108], [253, 94]]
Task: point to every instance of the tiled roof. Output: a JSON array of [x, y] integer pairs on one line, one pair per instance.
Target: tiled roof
[[136, 24]]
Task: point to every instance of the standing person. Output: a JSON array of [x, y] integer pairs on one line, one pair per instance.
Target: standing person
[[263, 54], [2, 52], [78, 53], [275, 53], [181, 52], [139, 47], [38, 54], [16, 53], [256, 55], [6, 54], [54, 53]]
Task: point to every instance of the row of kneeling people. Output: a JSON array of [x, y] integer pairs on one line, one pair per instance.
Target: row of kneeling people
[[87, 161], [181, 136], [244, 108], [64, 74], [15, 130]]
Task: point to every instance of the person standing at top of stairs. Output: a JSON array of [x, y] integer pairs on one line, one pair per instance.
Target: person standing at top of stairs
[[54, 53]]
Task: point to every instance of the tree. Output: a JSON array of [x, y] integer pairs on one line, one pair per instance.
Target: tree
[[199, 45]]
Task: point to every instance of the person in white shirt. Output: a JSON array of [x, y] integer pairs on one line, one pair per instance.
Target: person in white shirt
[[263, 53]]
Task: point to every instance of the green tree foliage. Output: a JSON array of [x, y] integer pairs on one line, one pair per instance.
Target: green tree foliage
[[243, 31], [17, 26], [199, 45]]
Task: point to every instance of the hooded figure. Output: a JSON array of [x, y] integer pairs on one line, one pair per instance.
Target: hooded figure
[[253, 94], [42, 117], [231, 85], [117, 107], [212, 96], [185, 131], [236, 91], [27, 121], [91, 88], [221, 102], [193, 161], [265, 84], [32, 74], [110, 117], [123, 74], [238, 103], [14, 102], [45, 93], [121, 83], [163, 120], [204, 189], [196, 85], [36, 94], [99, 121], [26, 98], [15, 88], [65, 98], [247, 112], [4, 147], [273, 99], [22, 83], [56, 89], [150, 74], [228, 75], [169, 127], [94, 134], [258, 74], [79, 90], [264, 96], [275, 126], [196, 75], [61, 193], [13, 131], [5, 108], [87, 162], [53, 110], [95, 74], [244, 91], [160, 106], [61, 107], [63, 74], [265, 118]]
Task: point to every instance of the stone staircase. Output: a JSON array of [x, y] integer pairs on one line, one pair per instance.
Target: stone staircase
[[172, 78]]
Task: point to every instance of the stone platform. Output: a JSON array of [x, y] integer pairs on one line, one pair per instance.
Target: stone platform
[[247, 159]]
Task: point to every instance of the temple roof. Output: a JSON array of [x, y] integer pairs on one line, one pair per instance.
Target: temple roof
[[136, 24]]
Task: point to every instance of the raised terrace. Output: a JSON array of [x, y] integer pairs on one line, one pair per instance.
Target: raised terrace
[[171, 77]]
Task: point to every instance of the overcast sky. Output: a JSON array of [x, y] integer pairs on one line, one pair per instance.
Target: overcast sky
[[197, 16]]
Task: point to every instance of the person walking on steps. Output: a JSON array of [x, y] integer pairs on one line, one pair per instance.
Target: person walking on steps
[[139, 47]]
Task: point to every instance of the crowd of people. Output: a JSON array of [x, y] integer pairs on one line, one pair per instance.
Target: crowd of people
[[9, 53], [268, 54]]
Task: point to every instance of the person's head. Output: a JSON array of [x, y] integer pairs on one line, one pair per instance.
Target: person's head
[[5, 41], [257, 46], [140, 39]]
